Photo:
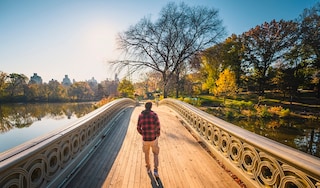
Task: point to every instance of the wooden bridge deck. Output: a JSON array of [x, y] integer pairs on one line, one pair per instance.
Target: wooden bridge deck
[[119, 160]]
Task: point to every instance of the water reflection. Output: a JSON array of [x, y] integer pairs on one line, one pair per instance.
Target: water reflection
[[24, 115], [301, 134], [22, 122]]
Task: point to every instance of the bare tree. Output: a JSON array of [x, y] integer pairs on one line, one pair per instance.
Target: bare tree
[[171, 41]]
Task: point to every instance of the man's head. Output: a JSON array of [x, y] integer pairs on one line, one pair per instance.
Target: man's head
[[148, 105]]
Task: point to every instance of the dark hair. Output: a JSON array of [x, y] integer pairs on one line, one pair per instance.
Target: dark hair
[[148, 105]]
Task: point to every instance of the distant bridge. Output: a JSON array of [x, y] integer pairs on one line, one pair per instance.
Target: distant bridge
[[103, 149]]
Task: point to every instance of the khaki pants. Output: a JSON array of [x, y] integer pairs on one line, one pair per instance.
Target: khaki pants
[[155, 150]]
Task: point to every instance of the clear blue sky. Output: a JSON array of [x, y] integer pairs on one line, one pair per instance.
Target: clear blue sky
[[76, 37]]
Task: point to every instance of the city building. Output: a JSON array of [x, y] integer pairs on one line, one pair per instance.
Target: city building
[[66, 81], [110, 87], [35, 79], [92, 82]]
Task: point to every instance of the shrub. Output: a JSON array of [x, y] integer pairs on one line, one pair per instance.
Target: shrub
[[248, 113], [187, 100], [229, 114], [275, 110], [279, 110], [262, 111], [284, 113], [180, 98], [192, 101], [103, 101], [240, 104]]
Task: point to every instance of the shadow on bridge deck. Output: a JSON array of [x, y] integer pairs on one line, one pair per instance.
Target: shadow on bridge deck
[[119, 160]]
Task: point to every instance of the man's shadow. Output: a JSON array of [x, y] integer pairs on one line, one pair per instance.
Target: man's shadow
[[155, 182]]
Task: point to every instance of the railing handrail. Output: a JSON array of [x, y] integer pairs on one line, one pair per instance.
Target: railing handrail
[[299, 161], [288, 154], [46, 161]]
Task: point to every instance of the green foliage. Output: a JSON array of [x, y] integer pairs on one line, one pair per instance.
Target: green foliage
[[241, 108], [229, 114], [189, 100], [235, 104]]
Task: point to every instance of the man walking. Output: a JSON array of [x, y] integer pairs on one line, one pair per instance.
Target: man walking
[[149, 127]]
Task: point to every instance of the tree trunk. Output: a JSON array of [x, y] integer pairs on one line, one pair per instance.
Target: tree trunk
[[177, 89], [165, 94], [165, 83]]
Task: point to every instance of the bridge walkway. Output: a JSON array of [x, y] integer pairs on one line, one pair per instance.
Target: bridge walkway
[[119, 160]]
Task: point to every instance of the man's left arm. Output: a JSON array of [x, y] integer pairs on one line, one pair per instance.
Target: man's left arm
[[139, 126], [157, 123]]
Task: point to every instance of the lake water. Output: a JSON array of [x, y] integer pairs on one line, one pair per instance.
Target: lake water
[[20, 123]]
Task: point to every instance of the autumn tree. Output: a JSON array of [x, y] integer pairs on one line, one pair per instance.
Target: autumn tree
[[310, 39], [232, 54], [265, 44], [16, 83], [211, 66], [3, 78], [168, 43], [227, 54], [126, 88], [193, 84], [33, 92], [226, 84], [55, 91], [81, 91]]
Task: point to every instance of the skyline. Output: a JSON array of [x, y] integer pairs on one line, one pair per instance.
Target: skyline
[[55, 38]]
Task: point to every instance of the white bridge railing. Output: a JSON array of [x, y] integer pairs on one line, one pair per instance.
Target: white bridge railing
[[256, 160], [49, 160]]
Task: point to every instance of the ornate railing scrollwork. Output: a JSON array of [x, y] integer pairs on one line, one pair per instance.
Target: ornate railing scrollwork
[[48, 160], [256, 160]]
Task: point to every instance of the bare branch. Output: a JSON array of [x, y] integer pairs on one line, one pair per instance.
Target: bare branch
[[169, 43]]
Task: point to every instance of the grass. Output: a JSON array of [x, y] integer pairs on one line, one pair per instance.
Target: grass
[[251, 105]]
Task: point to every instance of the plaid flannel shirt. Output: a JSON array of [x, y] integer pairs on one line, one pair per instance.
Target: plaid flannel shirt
[[148, 125]]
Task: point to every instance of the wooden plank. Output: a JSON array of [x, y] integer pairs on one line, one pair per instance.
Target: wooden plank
[[182, 161], [95, 170]]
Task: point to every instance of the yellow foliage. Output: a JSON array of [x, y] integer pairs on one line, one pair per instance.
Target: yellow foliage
[[279, 110], [247, 113], [103, 101], [273, 124], [226, 84]]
